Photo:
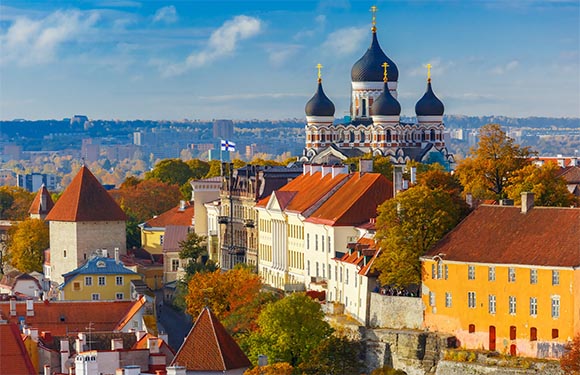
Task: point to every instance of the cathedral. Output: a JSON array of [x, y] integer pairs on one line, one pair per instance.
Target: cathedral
[[374, 125]]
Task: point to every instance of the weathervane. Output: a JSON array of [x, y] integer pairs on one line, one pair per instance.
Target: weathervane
[[319, 67], [374, 12], [385, 66]]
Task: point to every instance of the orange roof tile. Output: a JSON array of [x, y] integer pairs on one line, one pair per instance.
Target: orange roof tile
[[208, 347], [505, 235], [36, 208], [143, 343], [355, 201], [129, 315], [85, 199], [174, 216], [570, 174], [364, 247], [14, 358], [62, 317]]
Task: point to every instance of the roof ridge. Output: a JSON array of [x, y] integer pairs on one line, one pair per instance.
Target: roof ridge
[[213, 328]]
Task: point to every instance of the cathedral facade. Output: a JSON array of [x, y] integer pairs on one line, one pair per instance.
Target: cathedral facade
[[374, 126]]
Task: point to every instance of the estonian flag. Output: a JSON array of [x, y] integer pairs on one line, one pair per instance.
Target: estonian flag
[[228, 146]]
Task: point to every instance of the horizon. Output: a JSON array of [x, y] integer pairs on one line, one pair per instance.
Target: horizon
[[169, 61]]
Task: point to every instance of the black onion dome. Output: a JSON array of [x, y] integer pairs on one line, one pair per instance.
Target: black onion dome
[[386, 104], [319, 104], [369, 67], [429, 104]]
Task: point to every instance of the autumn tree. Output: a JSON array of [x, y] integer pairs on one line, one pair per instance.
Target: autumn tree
[[170, 171], [233, 296], [198, 168], [486, 172], [548, 187], [387, 370], [289, 330], [26, 244], [334, 355], [193, 249], [570, 361], [282, 368], [409, 225], [15, 202]]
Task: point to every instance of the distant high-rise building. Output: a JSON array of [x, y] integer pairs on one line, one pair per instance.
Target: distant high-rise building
[[223, 129], [33, 181]]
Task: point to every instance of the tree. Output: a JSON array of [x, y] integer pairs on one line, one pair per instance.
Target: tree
[[26, 244], [387, 370], [21, 201], [215, 168], [407, 226], [228, 294], [282, 368], [570, 362], [486, 172], [289, 330], [171, 171], [198, 168], [193, 248], [6, 201], [549, 189], [334, 355]]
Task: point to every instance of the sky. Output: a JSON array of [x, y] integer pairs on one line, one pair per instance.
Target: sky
[[175, 60]]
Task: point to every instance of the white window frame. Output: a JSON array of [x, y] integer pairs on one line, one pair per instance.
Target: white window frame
[[95, 297], [491, 273], [448, 299], [512, 304], [88, 281], [470, 272], [533, 306], [174, 265], [511, 274], [431, 298], [471, 300], [119, 280], [102, 281], [533, 276], [491, 304], [555, 307], [119, 296], [555, 277]]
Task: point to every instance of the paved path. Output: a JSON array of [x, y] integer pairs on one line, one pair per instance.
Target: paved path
[[175, 323]]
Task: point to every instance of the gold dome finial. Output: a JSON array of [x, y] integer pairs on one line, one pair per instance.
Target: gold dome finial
[[385, 66], [428, 72], [319, 67], [374, 12]]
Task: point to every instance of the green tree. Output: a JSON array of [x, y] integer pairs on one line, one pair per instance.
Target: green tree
[[289, 330], [548, 187], [192, 249], [485, 174], [171, 171], [6, 201], [21, 201], [215, 169], [26, 244], [198, 168], [334, 355], [407, 226]]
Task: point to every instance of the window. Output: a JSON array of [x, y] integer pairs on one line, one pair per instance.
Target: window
[[471, 300], [307, 241], [512, 305], [174, 265], [308, 267], [329, 272], [471, 272], [431, 299], [448, 299], [511, 275], [329, 244], [88, 280], [322, 243], [491, 304], [161, 237], [555, 277], [316, 269], [491, 273], [347, 277], [555, 307], [95, 296], [101, 280], [533, 276], [119, 296], [555, 333], [119, 280], [446, 272], [316, 242], [533, 334], [355, 279], [76, 286], [64, 254], [433, 271], [533, 306]]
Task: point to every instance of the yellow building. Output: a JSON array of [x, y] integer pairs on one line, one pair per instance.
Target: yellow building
[[507, 279], [153, 231], [98, 279]]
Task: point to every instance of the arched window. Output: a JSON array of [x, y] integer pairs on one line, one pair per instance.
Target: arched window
[[389, 135], [423, 136], [432, 135], [362, 136], [351, 140], [364, 108]]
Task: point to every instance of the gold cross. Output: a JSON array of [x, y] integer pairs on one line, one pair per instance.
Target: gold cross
[[374, 11], [319, 67], [428, 71], [385, 66]]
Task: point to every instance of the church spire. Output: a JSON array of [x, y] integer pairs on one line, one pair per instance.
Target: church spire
[[374, 21]]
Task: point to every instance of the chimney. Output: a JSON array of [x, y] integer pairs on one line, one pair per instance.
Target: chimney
[[469, 200], [116, 255], [339, 169], [116, 344], [181, 206], [140, 334], [413, 175], [305, 168], [153, 345], [29, 307], [315, 168], [46, 336], [176, 370], [397, 180], [326, 169], [160, 372], [164, 337], [47, 370], [365, 166], [64, 355], [33, 333], [506, 202], [129, 370], [12, 307], [527, 201], [80, 342]]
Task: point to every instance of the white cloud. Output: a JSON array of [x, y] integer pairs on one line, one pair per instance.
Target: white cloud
[[166, 14], [279, 55], [502, 69], [345, 41], [438, 68], [30, 41], [222, 42], [319, 21]]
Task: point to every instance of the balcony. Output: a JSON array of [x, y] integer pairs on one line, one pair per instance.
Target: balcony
[[249, 223], [223, 219]]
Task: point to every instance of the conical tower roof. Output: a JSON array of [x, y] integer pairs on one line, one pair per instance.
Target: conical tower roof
[[85, 199], [368, 67], [42, 203], [386, 104], [429, 104], [319, 104], [208, 347]]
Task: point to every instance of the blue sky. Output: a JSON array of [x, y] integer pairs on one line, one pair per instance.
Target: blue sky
[[124, 59]]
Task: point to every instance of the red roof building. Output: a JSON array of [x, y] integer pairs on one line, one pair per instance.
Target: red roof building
[[41, 205], [208, 347], [14, 359]]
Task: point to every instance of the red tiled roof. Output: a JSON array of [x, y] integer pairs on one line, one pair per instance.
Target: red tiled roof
[[14, 358], [174, 216], [62, 317], [36, 207], [544, 236], [142, 344], [355, 201], [85, 199], [174, 234], [9, 280], [129, 315], [570, 174], [308, 189], [208, 347]]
